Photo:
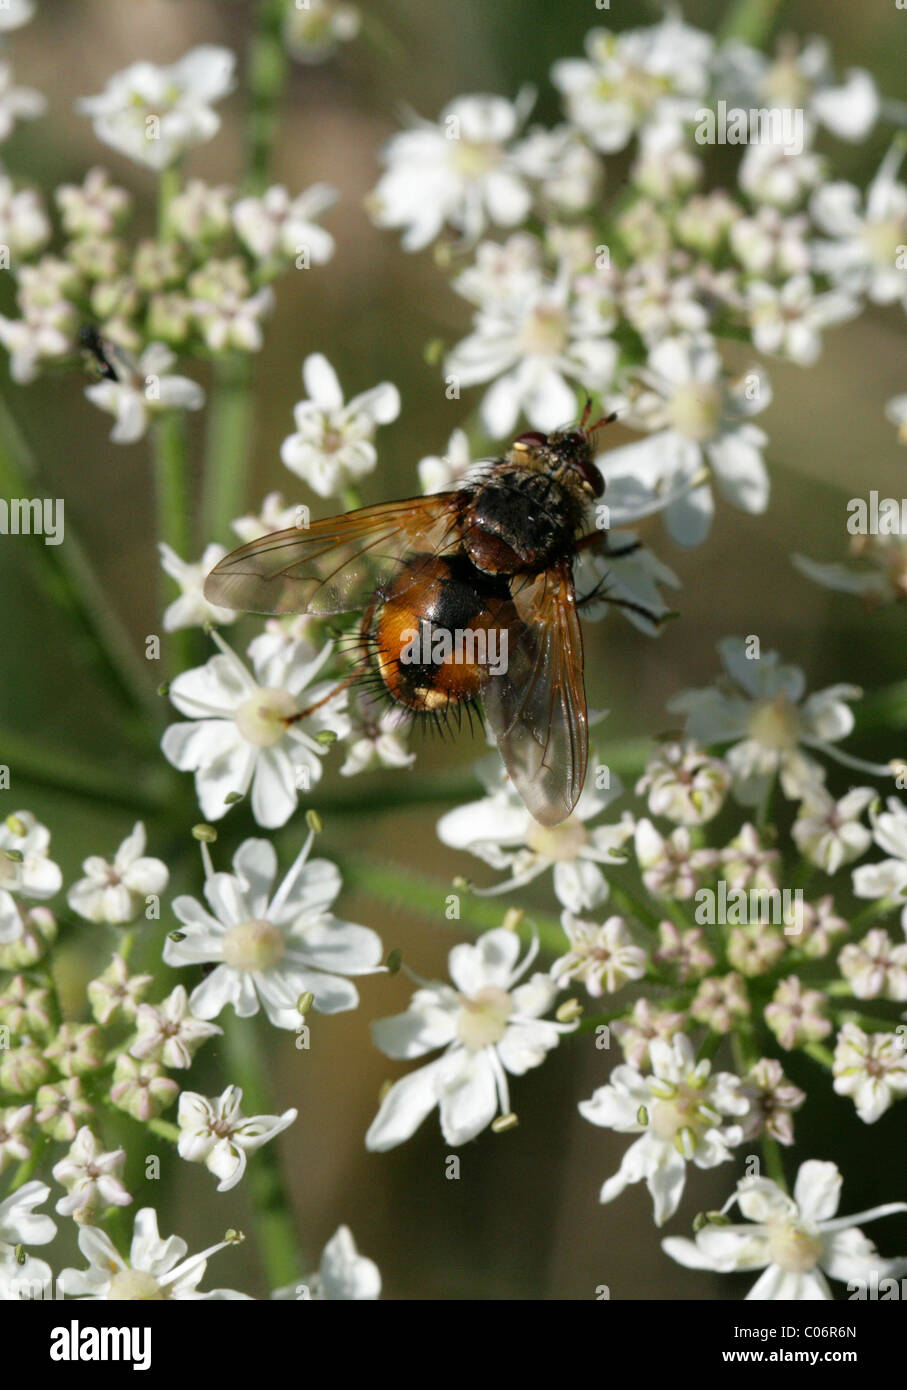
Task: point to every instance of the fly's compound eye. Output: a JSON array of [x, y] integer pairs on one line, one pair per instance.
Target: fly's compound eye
[[531, 437], [593, 481]]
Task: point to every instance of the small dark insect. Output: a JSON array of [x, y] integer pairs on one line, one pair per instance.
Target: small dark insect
[[99, 352], [466, 595]]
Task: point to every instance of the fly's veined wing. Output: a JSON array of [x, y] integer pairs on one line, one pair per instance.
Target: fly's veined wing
[[537, 708], [333, 565]]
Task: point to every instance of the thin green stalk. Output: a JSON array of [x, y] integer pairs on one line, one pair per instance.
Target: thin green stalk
[[773, 1161], [750, 21], [245, 1066], [229, 435], [144, 792], [67, 578], [401, 888], [266, 80]]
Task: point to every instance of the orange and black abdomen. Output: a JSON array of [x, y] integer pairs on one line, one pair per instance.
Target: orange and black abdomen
[[439, 629]]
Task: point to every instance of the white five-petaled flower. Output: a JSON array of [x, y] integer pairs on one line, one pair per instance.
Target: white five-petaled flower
[[90, 1177], [333, 444], [875, 967], [25, 869], [312, 31], [216, 1133], [788, 319], [684, 784], [156, 1268], [377, 737], [831, 833], [864, 252], [170, 1032], [275, 515], [24, 224], [459, 172], [437, 473], [499, 830], [192, 609], [529, 346], [649, 77], [115, 893], [16, 103], [244, 730], [796, 1241], [683, 1113], [887, 878], [699, 430], [343, 1274], [603, 957], [625, 572], [870, 1068], [151, 388], [760, 709], [155, 114], [271, 947], [488, 1025], [277, 225]]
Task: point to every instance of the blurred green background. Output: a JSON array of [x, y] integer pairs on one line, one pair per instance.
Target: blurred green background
[[523, 1220]]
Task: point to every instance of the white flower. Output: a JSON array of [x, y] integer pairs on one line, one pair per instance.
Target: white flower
[[761, 710], [499, 830], [275, 515], [343, 1274], [20, 1224], [488, 1025], [377, 738], [332, 446], [32, 1279], [150, 389], [626, 572], [641, 77], [16, 103], [216, 1133], [24, 224], [312, 31], [871, 1068], [43, 334], [875, 967], [156, 1268], [192, 609], [271, 947], [896, 412], [788, 319], [800, 79], [437, 474], [670, 866], [701, 431], [796, 1241], [458, 172], [772, 173], [15, 13], [93, 207], [768, 244], [865, 250], [830, 833], [603, 957], [90, 1177], [658, 302], [244, 729], [155, 114], [684, 784], [169, 1032], [275, 224], [532, 344], [879, 576], [25, 869], [116, 893], [888, 877], [681, 1111], [568, 173]]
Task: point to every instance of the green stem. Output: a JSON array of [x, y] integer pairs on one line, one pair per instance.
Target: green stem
[[29, 1166], [773, 1160], [227, 446], [144, 792], [401, 888], [245, 1066], [68, 580], [173, 525], [265, 82], [750, 21]]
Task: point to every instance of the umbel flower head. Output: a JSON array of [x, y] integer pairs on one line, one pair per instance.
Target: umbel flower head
[[796, 1241], [488, 1025]]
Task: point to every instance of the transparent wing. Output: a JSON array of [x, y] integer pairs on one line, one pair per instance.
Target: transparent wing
[[537, 709], [333, 565]]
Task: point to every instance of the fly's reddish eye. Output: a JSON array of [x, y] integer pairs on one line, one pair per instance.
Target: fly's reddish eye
[[592, 476], [531, 437]]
